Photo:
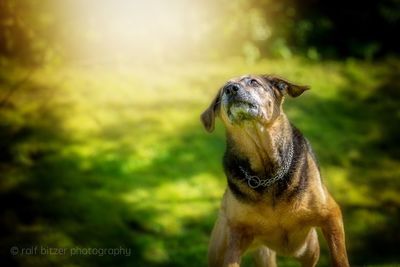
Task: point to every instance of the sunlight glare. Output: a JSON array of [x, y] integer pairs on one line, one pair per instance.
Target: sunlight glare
[[135, 30]]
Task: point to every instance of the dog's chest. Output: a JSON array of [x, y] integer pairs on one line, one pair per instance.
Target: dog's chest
[[283, 227], [263, 218]]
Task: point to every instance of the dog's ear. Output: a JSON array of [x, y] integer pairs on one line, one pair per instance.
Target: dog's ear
[[286, 87], [208, 116]]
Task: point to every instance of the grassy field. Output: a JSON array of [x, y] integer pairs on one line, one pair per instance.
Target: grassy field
[[101, 156]]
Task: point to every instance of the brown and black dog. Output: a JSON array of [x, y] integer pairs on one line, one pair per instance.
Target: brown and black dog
[[275, 197]]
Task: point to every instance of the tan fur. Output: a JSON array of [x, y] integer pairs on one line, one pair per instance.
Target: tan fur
[[267, 227]]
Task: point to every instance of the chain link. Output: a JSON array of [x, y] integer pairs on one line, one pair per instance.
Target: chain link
[[254, 181]]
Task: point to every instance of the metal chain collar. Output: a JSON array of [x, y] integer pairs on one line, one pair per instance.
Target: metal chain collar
[[254, 181]]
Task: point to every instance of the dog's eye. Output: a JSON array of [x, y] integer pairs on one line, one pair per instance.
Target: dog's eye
[[254, 83]]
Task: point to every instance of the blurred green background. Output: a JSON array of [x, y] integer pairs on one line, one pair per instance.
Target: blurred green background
[[100, 140]]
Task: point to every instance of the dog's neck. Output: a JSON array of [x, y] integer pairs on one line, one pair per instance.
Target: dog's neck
[[261, 144]]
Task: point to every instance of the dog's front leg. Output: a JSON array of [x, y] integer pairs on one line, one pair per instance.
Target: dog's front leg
[[334, 234], [238, 242]]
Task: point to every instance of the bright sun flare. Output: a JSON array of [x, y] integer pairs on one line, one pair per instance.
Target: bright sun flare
[[121, 29]]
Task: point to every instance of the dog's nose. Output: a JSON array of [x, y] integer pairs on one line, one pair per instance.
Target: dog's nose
[[232, 89]]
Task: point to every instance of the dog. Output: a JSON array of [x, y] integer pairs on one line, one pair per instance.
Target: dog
[[275, 198]]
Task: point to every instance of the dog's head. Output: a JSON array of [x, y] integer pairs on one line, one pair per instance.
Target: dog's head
[[250, 98]]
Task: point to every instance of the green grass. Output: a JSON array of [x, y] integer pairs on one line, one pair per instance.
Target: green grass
[[108, 157]]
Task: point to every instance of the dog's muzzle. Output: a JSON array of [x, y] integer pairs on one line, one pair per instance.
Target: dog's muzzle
[[239, 104]]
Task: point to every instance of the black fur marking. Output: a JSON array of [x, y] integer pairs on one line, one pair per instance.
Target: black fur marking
[[298, 157], [302, 182], [235, 176], [236, 190]]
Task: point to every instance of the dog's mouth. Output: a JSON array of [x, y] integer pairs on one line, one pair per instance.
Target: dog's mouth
[[241, 110]]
